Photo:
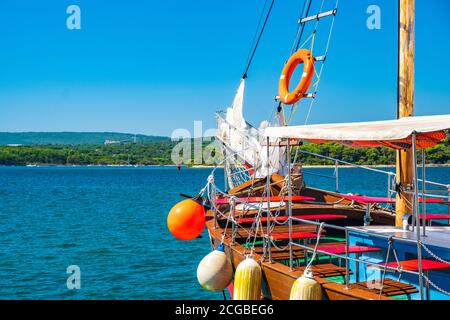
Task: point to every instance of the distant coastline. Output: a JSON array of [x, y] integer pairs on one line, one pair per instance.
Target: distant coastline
[[345, 166], [157, 151], [193, 167]]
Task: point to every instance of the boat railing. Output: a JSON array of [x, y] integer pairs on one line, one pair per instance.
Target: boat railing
[[366, 167], [221, 120], [415, 210], [346, 256], [269, 242], [423, 190], [443, 193], [230, 217], [391, 191], [221, 116], [234, 173]]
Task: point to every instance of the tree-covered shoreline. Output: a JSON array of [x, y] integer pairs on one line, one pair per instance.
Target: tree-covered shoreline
[[159, 153], [154, 153]]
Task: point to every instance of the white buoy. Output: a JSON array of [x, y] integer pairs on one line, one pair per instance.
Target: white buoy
[[306, 287], [247, 280], [215, 271]]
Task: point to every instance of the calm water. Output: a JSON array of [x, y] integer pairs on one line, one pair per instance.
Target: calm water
[[111, 222]]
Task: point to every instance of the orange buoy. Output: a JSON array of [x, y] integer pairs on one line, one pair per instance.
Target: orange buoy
[[301, 56], [186, 219]]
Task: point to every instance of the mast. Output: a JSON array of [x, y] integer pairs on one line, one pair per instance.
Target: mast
[[405, 103]]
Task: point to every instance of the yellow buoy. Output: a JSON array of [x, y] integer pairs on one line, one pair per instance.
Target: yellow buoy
[[247, 280], [215, 271], [306, 287]]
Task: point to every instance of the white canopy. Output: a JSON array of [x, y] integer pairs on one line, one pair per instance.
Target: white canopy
[[392, 133]]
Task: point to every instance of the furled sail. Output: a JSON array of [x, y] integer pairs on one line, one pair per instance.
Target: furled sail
[[245, 141], [235, 115]]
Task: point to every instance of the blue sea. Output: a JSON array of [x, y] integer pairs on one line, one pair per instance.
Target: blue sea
[[111, 223]]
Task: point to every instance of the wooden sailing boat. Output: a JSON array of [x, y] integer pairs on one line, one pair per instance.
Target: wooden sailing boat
[[269, 213]]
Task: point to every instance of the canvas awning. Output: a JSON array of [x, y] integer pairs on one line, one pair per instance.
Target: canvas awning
[[391, 133]]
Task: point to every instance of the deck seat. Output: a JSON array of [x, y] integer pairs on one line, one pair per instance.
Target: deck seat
[[242, 233], [264, 199], [413, 265], [435, 216], [284, 255], [295, 235], [322, 270], [390, 287], [368, 199], [341, 249], [319, 217]]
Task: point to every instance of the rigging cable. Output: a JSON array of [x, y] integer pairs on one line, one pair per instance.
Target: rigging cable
[[259, 37], [323, 63], [257, 29], [311, 39], [298, 44], [319, 76], [301, 26], [297, 39]]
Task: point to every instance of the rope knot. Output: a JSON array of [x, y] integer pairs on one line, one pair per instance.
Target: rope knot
[[391, 240]]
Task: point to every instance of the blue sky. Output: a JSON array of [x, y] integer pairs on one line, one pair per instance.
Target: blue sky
[[154, 66]]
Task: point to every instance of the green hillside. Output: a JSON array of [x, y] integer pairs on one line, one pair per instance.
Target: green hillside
[[82, 149], [159, 152], [72, 138]]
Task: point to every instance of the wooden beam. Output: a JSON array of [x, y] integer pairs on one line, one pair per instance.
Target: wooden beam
[[283, 143], [404, 161]]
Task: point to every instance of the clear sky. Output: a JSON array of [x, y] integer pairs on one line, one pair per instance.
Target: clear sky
[[153, 66]]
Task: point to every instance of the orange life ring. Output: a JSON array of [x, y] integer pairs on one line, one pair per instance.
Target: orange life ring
[[301, 56]]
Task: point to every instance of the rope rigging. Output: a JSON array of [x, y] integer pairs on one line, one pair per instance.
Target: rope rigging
[[210, 192], [298, 43], [301, 26], [255, 45]]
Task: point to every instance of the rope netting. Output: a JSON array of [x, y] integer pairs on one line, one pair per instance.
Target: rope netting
[[310, 44]]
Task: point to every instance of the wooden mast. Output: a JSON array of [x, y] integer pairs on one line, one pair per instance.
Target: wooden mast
[[405, 107]]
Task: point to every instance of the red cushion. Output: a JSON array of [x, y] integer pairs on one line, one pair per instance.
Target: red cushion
[[324, 216], [264, 199], [427, 265], [295, 235], [367, 199], [340, 249], [435, 216], [432, 200]]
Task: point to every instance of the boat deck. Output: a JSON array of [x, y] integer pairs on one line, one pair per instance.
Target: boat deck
[[390, 287], [281, 269], [435, 236]]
